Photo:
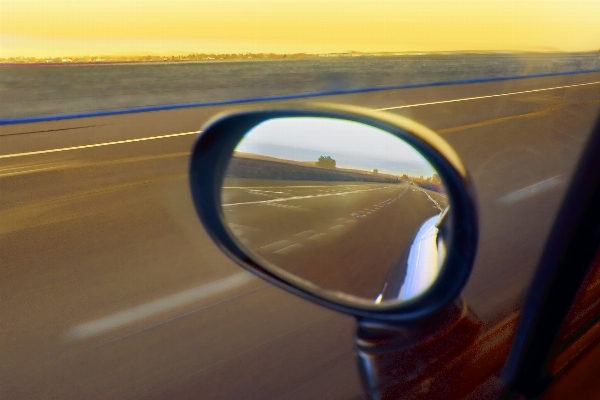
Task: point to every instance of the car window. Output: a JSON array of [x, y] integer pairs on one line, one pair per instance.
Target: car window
[[110, 286]]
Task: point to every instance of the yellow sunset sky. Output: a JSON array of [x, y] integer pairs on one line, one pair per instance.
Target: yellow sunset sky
[[47, 28]]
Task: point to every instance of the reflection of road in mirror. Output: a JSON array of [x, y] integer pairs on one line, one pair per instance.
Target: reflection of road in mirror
[[344, 229], [341, 236]]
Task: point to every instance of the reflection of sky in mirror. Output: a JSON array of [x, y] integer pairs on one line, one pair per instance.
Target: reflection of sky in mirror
[[351, 144]]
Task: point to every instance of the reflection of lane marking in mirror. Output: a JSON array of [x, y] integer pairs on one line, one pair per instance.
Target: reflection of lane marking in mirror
[[297, 198], [442, 195], [531, 190], [318, 236], [338, 229], [257, 192], [241, 230], [305, 234], [341, 226], [289, 248], [295, 208], [430, 198], [363, 213], [276, 245], [309, 238], [279, 187]]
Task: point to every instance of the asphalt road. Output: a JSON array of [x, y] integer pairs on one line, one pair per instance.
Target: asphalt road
[[33, 91], [111, 289]]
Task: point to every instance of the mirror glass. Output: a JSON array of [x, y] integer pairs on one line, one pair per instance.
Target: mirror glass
[[338, 207]]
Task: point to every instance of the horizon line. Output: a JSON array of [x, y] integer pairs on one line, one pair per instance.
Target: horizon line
[[158, 57]]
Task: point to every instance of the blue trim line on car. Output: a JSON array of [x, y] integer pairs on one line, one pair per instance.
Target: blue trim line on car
[[25, 120]]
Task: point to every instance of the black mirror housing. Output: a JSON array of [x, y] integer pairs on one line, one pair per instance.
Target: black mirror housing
[[217, 142]]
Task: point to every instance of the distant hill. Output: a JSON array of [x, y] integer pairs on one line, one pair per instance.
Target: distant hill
[[253, 166], [183, 56], [252, 156]]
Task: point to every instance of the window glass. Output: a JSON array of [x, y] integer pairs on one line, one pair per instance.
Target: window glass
[[111, 289]]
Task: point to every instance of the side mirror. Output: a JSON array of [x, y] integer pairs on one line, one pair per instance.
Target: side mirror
[[366, 213]]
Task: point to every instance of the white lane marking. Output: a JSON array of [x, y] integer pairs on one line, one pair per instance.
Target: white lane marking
[[236, 226], [317, 236], [338, 230], [485, 97], [295, 208], [289, 249], [17, 167], [296, 198], [531, 190], [258, 193], [276, 245], [87, 146], [166, 321], [27, 171], [430, 198], [305, 234], [279, 187], [134, 314], [241, 230], [375, 109]]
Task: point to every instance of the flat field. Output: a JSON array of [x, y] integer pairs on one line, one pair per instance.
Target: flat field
[[49, 90]]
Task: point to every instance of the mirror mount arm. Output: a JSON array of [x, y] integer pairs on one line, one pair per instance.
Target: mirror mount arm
[[394, 357]]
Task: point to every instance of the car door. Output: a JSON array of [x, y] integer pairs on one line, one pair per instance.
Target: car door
[[559, 315], [578, 360]]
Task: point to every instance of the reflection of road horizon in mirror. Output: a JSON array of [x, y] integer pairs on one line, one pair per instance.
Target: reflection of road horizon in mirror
[[352, 145], [355, 233]]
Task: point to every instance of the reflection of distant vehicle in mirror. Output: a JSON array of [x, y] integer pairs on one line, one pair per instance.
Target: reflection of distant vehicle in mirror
[[418, 268]]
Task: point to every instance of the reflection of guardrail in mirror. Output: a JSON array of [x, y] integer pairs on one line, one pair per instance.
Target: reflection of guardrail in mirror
[[253, 166]]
